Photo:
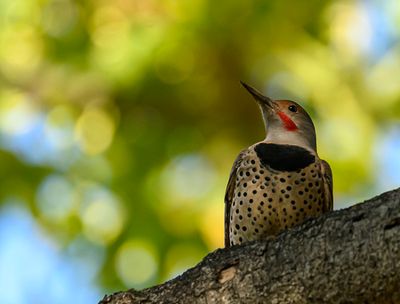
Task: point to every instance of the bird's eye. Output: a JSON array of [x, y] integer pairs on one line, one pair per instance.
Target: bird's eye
[[292, 108]]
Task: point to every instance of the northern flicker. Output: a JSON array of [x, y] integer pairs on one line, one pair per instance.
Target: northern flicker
[[279, 182]]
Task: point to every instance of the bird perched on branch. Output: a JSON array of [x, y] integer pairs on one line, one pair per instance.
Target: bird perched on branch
[[279, 182]]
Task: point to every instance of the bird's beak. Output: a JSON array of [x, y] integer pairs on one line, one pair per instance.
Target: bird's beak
[[260, 98]]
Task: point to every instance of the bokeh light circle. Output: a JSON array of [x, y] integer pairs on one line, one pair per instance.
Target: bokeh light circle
[[56, 197], [136, 263], [94, 130], [101, 214]]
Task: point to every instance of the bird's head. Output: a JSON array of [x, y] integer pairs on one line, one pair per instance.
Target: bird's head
[[286, 122]]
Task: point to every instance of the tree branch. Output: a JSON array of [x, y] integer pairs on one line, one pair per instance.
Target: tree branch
[[345, 256]]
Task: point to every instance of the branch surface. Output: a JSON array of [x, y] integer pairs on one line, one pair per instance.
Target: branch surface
[[346, 256]]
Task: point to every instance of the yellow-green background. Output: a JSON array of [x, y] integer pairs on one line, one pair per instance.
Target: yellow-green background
[[120, 120]]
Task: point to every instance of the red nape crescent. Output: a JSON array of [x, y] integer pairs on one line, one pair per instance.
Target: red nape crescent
[[287, 122]]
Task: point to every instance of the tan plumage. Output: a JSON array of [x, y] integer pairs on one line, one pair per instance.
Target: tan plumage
[[279, 182]]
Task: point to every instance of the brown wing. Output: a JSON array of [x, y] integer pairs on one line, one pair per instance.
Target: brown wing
[[230, 189], [328, 185]]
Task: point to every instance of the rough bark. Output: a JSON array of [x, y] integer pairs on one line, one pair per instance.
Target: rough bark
[[346, 256]]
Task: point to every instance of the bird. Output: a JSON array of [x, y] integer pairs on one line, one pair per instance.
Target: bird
[[279, 182]]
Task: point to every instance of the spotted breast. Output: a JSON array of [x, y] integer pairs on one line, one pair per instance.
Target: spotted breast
[[273, 187]]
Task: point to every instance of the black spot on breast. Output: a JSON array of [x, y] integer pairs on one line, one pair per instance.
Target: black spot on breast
[[284, 157]]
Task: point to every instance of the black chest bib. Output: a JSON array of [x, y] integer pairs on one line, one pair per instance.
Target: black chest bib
[[284, 157]]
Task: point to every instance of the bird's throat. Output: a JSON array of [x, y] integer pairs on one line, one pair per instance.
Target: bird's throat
[[287, 122]]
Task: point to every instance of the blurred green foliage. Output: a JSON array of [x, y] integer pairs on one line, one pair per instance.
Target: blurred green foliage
[[120, 120]]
